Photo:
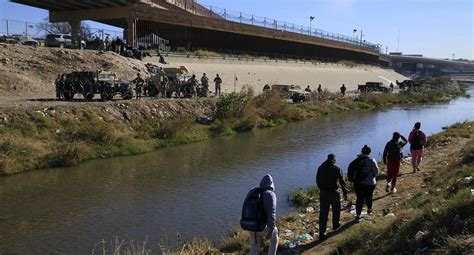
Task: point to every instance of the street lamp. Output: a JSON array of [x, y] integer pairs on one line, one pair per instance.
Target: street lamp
[[361, 34], [311, 18], [354, 33]]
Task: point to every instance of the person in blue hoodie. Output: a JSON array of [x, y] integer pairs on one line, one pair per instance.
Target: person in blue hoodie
[[364, 189], [271, 231]]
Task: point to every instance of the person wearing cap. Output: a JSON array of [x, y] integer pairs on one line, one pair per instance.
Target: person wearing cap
[[392, 156], [328, 180], [364, 188]]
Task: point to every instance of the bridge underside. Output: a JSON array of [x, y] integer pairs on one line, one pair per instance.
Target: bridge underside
[[183, 29]]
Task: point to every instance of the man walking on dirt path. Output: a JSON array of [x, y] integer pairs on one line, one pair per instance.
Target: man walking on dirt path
[[327, 179], [218, 82], [417, 141], [392, 156], [266, 197], [365, 180]]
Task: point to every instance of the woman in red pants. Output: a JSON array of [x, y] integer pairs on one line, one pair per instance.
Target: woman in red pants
[[392, 156]]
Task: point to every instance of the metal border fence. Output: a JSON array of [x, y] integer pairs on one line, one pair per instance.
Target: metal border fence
[[250, 19]]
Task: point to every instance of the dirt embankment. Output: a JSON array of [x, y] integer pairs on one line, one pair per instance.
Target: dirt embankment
[[29, 72], [65, 135]]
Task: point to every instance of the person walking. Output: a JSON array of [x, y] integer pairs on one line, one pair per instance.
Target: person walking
[[327, 179], [363, 171], [417, 141], [392, 156], [253, 213], [218, 82]]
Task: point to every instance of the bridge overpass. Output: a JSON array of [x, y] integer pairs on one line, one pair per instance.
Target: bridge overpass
[[188, 24], [417, 66]]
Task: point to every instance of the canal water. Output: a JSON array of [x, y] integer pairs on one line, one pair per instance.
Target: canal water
[[195, 190]]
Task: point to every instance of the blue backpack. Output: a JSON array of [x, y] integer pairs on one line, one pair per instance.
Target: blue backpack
[[254, 217]]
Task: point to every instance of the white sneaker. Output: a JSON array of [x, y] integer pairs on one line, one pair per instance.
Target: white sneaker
[[387, 188], [393, 191]]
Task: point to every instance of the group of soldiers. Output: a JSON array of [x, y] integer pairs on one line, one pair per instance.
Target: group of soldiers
[[191, 87], [343, 89]]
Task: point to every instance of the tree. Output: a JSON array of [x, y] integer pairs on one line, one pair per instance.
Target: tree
[[62, 28]]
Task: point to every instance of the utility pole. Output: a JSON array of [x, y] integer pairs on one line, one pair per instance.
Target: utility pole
[[361, 35], [398, 41]]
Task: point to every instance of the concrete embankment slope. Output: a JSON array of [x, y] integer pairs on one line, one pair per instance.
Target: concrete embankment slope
[[257, 73]]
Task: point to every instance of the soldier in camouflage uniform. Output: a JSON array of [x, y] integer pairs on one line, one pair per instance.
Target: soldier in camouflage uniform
[[139, 82]]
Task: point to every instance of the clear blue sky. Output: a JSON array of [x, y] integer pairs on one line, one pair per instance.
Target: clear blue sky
[[435, 28]]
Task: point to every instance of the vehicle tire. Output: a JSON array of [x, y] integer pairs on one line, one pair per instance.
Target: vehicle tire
[[127, 95], [88, 96], [68, 96], [103, 96]]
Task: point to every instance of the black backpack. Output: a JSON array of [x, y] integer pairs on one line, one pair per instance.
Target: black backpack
[[416, 143], [357, 170], [254, 217]]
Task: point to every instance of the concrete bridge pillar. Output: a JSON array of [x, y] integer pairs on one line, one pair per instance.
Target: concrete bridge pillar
[[76, 33], [131, 32]]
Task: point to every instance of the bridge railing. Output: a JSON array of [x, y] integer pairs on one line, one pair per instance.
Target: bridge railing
[[250, 19]]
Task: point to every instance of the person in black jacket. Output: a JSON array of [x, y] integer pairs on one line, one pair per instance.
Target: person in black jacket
[[328, 177], [392, 156]]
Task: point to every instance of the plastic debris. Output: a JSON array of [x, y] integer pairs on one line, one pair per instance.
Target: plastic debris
[[300, 239], [309, 210], [287, 233], [420, 234], [390, 215], [467, 180]]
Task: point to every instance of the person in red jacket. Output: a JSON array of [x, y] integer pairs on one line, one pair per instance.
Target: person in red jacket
[[417, 141]]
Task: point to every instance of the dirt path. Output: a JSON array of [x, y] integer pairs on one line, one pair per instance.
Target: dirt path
[[408, 185]]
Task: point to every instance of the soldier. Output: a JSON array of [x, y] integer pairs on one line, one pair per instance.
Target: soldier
[[320, 89], [59, 86], [218, 82], [107, 43], [139, 82], [391, 86], [308, 89], [205, 81], [193, 82], [343, 90]]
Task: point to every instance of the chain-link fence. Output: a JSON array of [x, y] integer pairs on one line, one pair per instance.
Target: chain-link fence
[[254, 20], [40, 30]]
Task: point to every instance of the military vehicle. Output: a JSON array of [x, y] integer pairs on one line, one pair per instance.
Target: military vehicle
[[293, 92], [172, 82], [88, 84], [410, 84], [373, 87]]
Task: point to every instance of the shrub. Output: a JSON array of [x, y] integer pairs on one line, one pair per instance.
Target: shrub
[[234, 105], [67, 154], [303, 197]]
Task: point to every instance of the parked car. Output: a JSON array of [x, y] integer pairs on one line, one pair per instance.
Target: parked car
[[58, 40]]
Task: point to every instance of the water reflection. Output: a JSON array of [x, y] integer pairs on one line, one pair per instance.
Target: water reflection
[[196, 189]]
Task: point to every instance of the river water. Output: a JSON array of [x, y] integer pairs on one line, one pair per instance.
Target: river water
[[196, 190]]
